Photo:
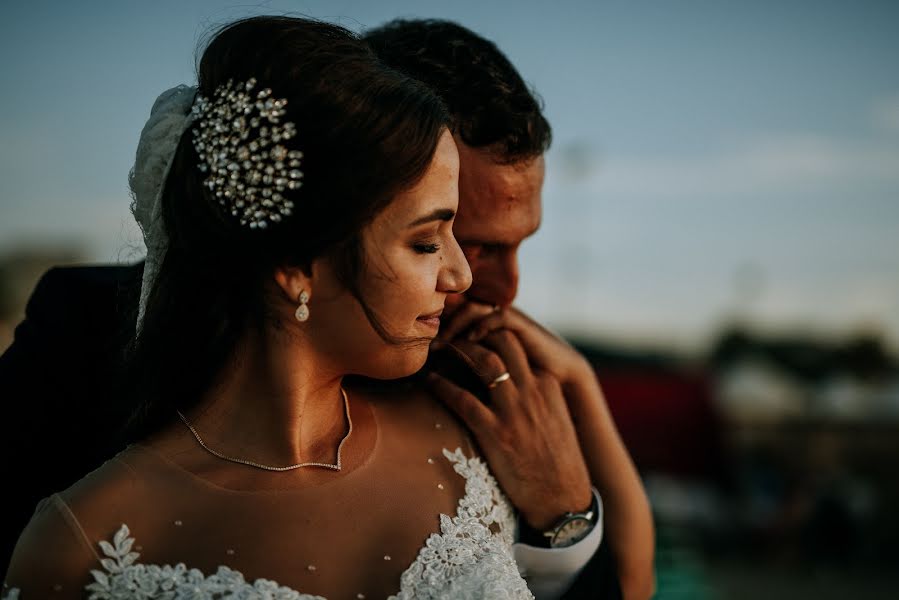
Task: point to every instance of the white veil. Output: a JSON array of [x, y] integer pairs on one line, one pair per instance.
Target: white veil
[[170, 117]]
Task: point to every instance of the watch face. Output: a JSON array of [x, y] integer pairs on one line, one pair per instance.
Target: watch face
[[571, 532]]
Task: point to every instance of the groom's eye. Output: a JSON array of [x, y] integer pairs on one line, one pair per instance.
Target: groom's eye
[[491, 249], [471, 251], [483, 250]]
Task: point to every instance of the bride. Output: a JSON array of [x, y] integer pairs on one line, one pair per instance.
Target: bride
[[297, 209]]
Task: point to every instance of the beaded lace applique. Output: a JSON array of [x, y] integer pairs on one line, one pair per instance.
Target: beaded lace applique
[[123, 579], [465, 560]]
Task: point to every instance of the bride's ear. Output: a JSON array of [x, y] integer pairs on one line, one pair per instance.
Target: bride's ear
[[293, 281]]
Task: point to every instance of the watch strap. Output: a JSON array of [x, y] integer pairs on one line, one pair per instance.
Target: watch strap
[[543, 539]]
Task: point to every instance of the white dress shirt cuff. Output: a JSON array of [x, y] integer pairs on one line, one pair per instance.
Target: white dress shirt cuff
[[549, 572]]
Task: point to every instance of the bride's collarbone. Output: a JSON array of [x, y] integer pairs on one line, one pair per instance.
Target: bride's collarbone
[[177, 445], [398, 434]]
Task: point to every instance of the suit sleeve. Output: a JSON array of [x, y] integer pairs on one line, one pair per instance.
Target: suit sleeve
[[58, 409], [26, 370]]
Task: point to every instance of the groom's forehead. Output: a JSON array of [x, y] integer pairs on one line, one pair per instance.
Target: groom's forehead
[[489, 189]]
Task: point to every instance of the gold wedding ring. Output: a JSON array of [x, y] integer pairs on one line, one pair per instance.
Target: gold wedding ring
[[504, 377]]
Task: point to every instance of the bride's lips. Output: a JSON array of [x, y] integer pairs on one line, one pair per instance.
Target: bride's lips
[[431, 320]]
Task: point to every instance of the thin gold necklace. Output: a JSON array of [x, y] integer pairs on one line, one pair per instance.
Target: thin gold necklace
[[335, 467]]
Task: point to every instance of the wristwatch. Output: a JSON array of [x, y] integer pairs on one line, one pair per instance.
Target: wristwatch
[[569, 530]]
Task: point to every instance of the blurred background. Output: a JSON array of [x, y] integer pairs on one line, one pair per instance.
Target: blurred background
[[720, 238]]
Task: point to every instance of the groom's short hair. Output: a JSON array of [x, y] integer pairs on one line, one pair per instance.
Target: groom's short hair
[[490, 104]]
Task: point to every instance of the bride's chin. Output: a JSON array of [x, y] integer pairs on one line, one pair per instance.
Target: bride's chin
[[402, 364]]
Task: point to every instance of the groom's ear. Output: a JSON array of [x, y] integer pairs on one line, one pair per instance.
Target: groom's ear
[[293, 280]]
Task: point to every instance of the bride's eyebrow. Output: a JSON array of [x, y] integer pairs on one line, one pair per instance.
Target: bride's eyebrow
[[441, 214]]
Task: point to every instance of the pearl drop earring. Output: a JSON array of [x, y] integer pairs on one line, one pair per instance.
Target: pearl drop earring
[[302, 313]]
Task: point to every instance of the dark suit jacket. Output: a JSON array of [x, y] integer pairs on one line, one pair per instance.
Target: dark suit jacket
[[61, 415], [61, 411]]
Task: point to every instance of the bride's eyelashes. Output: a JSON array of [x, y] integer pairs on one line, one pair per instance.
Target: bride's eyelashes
[[426, 247], [429, 241]]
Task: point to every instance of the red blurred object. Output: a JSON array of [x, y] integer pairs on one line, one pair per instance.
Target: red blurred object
[[667, 419]]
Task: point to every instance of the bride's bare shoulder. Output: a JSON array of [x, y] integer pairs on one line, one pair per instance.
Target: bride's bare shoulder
[[55, 552], [52, 558], [102, 500]]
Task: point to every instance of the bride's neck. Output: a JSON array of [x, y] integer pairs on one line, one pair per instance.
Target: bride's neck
[[276, 402]]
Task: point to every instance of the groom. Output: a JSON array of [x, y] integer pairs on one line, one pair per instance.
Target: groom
[[60, 410], [501, 135]]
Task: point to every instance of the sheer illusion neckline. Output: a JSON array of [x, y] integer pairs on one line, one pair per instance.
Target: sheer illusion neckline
[[337, 477], [464, 558]]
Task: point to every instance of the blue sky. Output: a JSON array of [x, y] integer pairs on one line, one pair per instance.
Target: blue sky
[[711, 159]]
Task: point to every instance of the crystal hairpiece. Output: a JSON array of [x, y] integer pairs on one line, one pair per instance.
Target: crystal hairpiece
[[238, 140]]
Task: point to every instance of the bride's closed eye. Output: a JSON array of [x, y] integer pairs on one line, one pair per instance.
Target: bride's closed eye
[[444, 221], [426, 247]]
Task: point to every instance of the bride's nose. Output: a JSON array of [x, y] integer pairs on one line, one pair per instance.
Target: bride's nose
[[455, 276]]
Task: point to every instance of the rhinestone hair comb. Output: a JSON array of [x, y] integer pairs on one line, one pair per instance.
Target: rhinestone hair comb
[[238, 140]]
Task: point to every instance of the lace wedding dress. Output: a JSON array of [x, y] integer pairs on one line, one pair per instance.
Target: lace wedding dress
[[413, 520]]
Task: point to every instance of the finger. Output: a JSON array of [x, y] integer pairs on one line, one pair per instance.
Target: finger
[[506, 318], [474, 413], [554, 399], [551, 389], [532, 335], [498, 319], [462, 319], [510, 350], [489, 368]]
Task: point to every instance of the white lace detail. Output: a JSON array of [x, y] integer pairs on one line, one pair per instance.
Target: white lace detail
[[122, 579], [466, 560]]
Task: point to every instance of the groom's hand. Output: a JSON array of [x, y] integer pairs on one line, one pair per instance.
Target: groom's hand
[[524, 430], [545, 350], [611, 469]]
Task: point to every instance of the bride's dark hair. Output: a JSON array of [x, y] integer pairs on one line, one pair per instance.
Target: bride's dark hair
[[366, 132]]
